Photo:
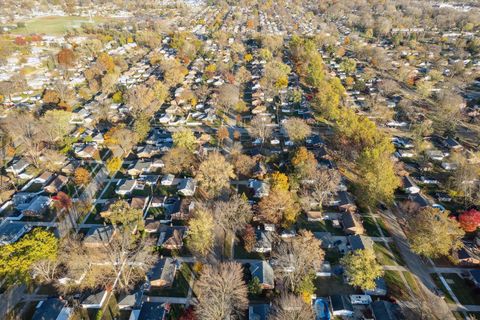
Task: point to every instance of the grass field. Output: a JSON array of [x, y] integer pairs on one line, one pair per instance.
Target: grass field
[[54, 25]]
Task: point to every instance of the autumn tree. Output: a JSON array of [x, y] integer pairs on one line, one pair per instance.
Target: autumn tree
[[184, 138], [431, 223], [66, 58], [291, 307], [178, 160], [470, 220], [113, 164], [279, 207], [304, 163], [248, 237], [140, 99], [221, 292], [82, 176], [214, 174], [297, 259], [297, 129], [17, 258], [200, 232], [362, 268], [278, 180], [122, 216], [222, 134]]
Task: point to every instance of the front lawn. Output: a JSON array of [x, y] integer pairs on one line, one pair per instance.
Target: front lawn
[[318, 226], [327, 286], [465, 292], [239, 252], [396, 286], [370, 226], [384, 256]]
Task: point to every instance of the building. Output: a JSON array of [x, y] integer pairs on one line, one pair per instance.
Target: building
[[10, 232], [264, 272], [52, 309], [163, 273], [341, 306]]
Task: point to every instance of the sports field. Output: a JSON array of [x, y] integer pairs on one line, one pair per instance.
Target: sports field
[[54, 25]]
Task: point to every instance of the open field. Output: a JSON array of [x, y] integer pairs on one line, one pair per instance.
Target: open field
[[54, 25]]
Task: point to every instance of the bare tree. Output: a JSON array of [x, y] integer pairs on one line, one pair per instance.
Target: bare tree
[[297, 129], [222, 293], [261, 127], [291, 307], [228, 96], [297, 259], [322, 188]]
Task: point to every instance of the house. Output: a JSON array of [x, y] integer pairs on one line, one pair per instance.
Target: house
[[263, 243], [163, 273], [98, 236], [380, 288], [52, 309], [345, 202], [452, 144], [385, 310], [341, 306], [260, 188], [157, 201], [351, 223], [171, 238], [187, 187], [153, 310], [86, 151], [44, 177], [147, 151], [450, 166], [264, 272], [56, 184], [95, 300], [419, 199], [37, 207], [409, 186], [167, 180], [128, 301], [18, 167], [258, 311], [125, 187], [10, 232], [144, 166], [321, 309], [358, 242], [315, 215], [364, 299], [442, 196]]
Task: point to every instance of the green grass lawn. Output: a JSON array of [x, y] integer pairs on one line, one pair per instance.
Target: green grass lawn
[[318, 226], [326, 286], [370, 226], [464, 291], [396, 253], [412, 282], [439, 284], [180, 285], [396, 286], [384, 256], [53, 24]]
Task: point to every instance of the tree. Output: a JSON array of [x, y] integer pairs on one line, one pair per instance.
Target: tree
[[140, 99], [63, 202], [304, 163], [261, 127], [297, 259], [200, 232], [105, 63], [55, 125], [228, 96], [66, 58], [184, 138], [297, 129], [431, 223], [470, 220], [82, 176], [222, 293], [141, 127], [279, 181], [17, 258], [178, 160], [122, 216], [348, 66], [291, 307], [113, 164], [222, 134], [322, 188], [249, 238], [254, 286], [279, 206], [377, 182], [362, 268], [214, 174]]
